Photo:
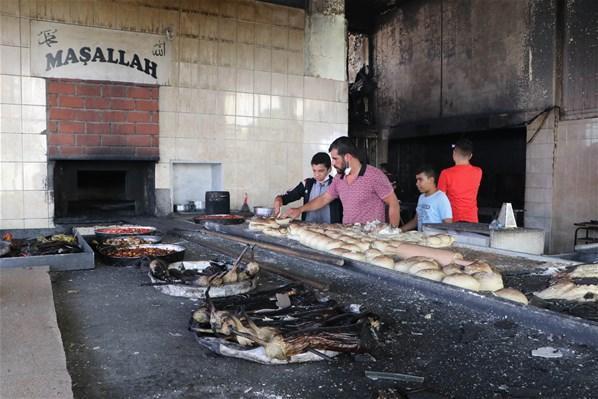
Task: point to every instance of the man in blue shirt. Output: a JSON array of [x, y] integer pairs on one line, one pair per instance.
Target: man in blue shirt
[[433, 205]]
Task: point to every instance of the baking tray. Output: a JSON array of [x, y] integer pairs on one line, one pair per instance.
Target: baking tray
[[62, 262]]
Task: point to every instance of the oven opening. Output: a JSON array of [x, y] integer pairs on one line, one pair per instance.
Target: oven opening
[[99, 189]]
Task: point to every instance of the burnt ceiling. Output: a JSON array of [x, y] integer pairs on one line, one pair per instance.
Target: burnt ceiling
[[288, 3], [361, 14]]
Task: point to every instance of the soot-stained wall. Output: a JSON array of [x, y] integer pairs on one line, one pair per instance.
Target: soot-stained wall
[[441, 59]]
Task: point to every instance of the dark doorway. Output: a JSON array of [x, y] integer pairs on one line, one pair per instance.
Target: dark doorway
[[500, 154], [103, 188]]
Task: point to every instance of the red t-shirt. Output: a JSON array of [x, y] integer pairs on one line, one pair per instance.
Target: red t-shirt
[[460, 184]]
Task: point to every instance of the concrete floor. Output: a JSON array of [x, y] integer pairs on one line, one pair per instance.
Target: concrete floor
[[32, 360]]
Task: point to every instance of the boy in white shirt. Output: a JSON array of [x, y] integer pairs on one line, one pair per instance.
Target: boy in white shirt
[[433, 205]]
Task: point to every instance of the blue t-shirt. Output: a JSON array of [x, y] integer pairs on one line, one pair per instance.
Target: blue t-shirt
[[433, 209]]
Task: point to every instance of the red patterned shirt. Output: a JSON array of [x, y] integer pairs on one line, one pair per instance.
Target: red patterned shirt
[[363, 199]]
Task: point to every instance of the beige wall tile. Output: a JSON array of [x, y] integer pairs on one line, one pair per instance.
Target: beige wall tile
[[167, 149], [227, 78], [168, 98], [11, 205], [10, 30], [33, 91], [245, 32], [189, 50], [163, 175], [10, 89], [185, 100], [210, 6], [35, 204], [104, 14], [263, 35], [280, 16], [295, 85], [263, 13], [35, 175], [25, 61], [296, 39], [227, 53], [295, 63], [245, 80], [228, 9], [245, 56], [226, 103], [279, 84], [296, 18], [208, 77], [190, 23], [186, 74], [280, 37], [262, 82], [208, 52], [227, 29], [244, 104], [36, 148], [263, 59], [10, 224], [25, 25], [11, 174], [261, 105], [10, 60], [10, 118], [9, 8], [279, 61], [34, 119], [11, 147], [208, 26], [246, 11], [38, 223]]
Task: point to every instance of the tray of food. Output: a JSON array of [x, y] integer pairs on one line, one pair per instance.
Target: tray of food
[[123, 230], [191, 279], [127, 241], [220, 219], [127, 255]]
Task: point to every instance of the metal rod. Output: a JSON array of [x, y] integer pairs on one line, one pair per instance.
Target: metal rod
[[380, 375], [264, 265], [276, 248]]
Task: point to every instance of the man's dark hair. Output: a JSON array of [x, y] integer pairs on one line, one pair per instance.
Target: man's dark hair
[[344, 145], [428, 171], [321, 158], [464, 146]]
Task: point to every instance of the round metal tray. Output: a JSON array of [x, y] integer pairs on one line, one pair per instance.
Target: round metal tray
[[177, 255], [219, 219], [147, 239], [148, 230]]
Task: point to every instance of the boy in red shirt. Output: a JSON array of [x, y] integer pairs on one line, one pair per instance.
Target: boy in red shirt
[[461, 182]]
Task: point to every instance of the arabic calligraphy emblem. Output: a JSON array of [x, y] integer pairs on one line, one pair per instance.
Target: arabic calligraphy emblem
[[47, 37], [159, 49]]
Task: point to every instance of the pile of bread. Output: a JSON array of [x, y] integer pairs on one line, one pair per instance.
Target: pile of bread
[[432, 263], [379, 244], [566, 288]]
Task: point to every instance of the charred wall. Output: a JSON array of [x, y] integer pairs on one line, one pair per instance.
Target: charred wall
[[451, 59]]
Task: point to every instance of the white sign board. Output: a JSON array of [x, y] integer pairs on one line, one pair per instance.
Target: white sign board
[[77, 52]]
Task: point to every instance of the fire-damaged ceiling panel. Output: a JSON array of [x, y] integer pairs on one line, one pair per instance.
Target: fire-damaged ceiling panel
[[361, 14]]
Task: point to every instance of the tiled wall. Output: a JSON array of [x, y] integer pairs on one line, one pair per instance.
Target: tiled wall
[[561, 179], [237, 96], [25, 201], [575, 189], [539, 176]]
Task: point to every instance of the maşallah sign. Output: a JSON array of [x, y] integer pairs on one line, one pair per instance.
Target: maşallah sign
[[77, 52]]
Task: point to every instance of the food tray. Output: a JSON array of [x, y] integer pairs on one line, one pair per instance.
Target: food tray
[[220, 219], [60, 262], [177, 255], [125, 230]]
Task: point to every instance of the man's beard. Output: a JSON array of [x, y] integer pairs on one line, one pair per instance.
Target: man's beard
[[344, 166]]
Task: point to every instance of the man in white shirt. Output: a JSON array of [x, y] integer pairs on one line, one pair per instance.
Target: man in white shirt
[[433, 205]]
